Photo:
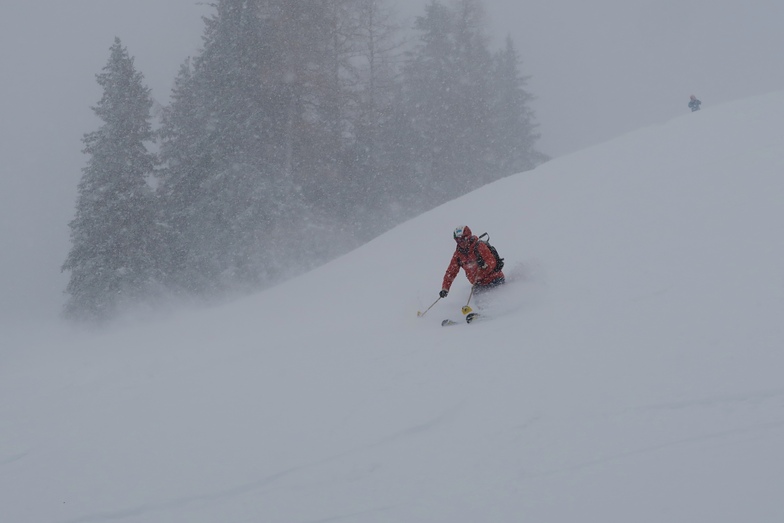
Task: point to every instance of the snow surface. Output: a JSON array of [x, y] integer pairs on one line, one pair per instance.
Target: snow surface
[[631, 371]]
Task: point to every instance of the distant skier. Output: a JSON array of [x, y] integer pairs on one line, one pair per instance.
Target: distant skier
[[694, 104], [477, 260]]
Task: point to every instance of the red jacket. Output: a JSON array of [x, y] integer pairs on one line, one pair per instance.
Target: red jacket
[[465, 256]]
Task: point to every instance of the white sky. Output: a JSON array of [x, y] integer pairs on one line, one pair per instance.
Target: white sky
[[630, 370], [599, 69]]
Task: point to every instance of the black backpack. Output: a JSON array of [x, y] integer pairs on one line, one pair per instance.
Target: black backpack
[[499, 262]]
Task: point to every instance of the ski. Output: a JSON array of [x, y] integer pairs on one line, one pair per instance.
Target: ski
[[469, 318]]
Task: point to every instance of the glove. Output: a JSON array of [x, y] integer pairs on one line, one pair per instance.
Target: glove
[[443, 293]]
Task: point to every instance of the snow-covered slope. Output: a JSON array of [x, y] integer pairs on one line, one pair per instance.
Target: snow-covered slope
[[631, 369]]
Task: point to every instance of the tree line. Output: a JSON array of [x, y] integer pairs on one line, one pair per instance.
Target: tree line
[[299, 131]]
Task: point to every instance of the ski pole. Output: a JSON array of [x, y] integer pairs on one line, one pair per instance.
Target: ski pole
[[466, 309], [420, 314]]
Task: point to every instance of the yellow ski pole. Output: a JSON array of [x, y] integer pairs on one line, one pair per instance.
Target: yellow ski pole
[[466, 309]]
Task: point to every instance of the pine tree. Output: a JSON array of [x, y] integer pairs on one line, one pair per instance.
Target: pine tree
[[448, 95], [472, 127], [514, 137], [321, 98], [183, 142], [376, 195], [115, 237], [428, 102], [238, 142], [466, 109], [213, 182]]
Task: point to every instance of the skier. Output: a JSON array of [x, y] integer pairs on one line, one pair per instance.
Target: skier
[[694, 104], [476, 259]]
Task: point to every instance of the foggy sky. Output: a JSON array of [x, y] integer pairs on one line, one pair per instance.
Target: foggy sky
[[598, 69]]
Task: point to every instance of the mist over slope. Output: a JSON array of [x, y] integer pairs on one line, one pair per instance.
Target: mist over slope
[[630, 369]]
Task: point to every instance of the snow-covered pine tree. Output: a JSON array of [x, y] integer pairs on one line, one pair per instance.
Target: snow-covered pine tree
[[186, 157], [376, 195], [236, 143], [214, 185], [473, 91], [114, 235], [427, 78], [513, 128], [447, 93]]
